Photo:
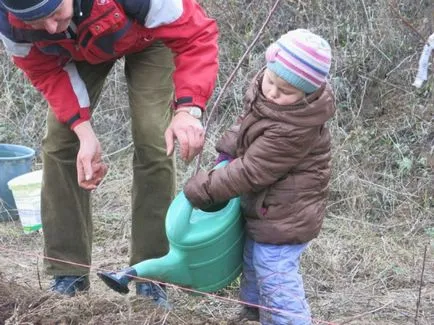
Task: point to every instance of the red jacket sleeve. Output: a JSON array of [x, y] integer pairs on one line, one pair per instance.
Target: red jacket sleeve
[[193, 38], [60, 84]]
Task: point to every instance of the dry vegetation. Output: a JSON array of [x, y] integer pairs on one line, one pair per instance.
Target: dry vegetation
[[366, 266]]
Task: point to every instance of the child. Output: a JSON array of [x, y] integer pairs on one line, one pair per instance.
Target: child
[[281, 169]]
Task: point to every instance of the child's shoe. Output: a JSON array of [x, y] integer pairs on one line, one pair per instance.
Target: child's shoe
[[249, 313], [154, 291]]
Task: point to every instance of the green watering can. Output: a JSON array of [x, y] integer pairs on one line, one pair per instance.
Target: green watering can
[[206, 249]]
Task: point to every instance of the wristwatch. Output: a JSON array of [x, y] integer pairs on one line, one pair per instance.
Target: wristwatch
[[192, 110]]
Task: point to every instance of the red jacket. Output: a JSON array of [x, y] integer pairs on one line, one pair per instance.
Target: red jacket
[[104, 30]]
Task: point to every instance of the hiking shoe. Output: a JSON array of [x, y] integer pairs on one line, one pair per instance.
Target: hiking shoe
[[155, 291], [249, 313], [70, 285]]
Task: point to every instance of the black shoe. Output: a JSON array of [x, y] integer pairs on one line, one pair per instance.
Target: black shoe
[[155, 291], [70, 285], [249, 313]]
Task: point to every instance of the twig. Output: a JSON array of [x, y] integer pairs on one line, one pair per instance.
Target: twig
[[231, 77], [399, 64], [362, 101], [117, 151], [431, 19], [385, 82], [38, 273], [365, 223], [364, 314], [420, 286], [395, 10]]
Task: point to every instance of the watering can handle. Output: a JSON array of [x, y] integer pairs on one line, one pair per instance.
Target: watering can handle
[[184, 210], [178, 216]]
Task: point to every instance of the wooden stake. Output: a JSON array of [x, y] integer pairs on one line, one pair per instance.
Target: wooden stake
[[416, 321]]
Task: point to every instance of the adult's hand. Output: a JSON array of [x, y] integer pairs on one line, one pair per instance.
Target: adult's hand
[[190, 134], [90, 167]]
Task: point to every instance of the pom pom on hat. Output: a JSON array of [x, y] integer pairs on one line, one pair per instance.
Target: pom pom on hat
[[301, 58], [28, 10]]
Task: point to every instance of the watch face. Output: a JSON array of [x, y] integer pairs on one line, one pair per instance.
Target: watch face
[[196, 112]]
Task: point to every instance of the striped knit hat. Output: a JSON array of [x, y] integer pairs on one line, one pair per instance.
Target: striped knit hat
[[301, 58], [28, 10]]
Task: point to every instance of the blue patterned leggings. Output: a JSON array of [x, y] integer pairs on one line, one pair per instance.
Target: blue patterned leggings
[[271, 279]]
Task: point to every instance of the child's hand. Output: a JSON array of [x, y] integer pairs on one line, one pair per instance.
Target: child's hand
[[215, 207], [223, 156]]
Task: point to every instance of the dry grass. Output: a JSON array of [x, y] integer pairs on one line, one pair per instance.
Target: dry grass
[[365, 268]]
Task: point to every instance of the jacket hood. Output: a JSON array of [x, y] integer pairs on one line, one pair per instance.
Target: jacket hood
[[313, 110]]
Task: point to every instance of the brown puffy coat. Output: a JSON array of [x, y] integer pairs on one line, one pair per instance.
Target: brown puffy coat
[[281, 170]]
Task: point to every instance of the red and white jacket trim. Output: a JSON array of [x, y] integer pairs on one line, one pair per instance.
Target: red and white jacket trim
[[48, 60]]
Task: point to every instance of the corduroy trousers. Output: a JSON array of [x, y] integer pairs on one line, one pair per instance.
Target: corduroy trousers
[[66, 208]]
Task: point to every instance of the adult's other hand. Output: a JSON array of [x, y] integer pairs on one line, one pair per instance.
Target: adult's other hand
[[90, 167]]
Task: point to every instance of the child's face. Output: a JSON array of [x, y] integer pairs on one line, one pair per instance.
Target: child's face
[[278, 91]]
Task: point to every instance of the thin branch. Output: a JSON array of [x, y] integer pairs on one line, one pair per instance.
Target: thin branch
[[364, 314], [420, 286], [118, 151], [395, 10], [431, 19], [231, 77], [38, 273]]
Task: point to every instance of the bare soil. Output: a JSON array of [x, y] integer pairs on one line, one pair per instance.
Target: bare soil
[[369, 275]]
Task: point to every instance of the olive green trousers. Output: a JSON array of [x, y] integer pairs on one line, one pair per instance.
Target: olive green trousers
[[66, 208]]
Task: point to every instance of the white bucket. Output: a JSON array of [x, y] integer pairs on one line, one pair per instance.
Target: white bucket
[[26, 190]]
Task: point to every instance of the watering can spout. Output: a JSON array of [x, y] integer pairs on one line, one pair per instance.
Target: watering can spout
[[169, 268], [118, 281]]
